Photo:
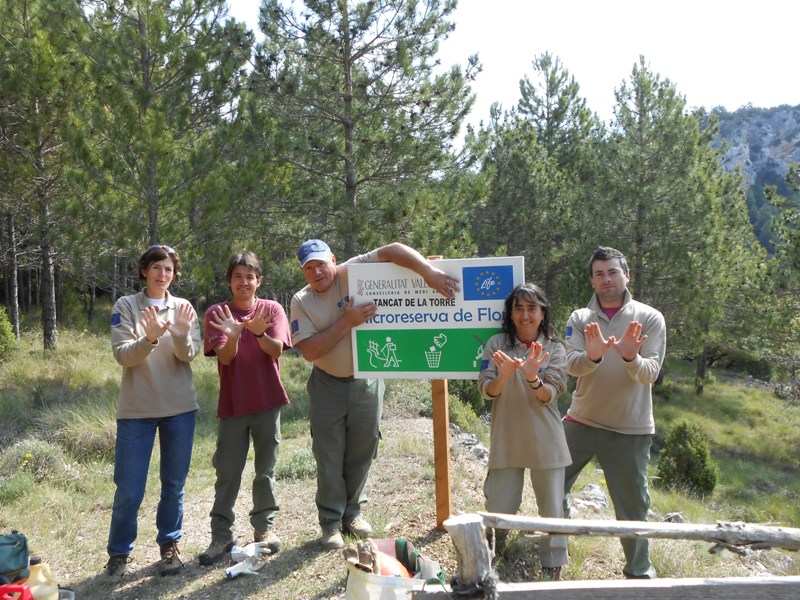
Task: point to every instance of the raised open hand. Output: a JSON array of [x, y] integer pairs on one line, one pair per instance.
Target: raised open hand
[[184, 318], [533, 361], [596, 345], [153, 326], [223, 320], [505, 364], [261, 320], [631, 342]]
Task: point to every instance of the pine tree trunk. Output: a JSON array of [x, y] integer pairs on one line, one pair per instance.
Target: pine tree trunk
[[48, 287], [701, 372], [48, 298], [115, 279], [13, 279], [90, 307]]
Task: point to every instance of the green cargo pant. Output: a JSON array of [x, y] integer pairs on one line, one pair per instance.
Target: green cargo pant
[[345, 418], [624, 460], [230, 457], [503, 491]]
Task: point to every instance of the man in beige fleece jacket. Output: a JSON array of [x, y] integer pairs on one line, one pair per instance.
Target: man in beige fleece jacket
[[615, 348]]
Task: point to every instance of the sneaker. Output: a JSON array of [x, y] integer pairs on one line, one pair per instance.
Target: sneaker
[[269, 538], [331, 539], [358, 527], [215, 551], [117, 565], [171, 562], [550, 574]]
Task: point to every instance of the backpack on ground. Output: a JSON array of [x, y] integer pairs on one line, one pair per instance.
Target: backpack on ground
[[14, 557]]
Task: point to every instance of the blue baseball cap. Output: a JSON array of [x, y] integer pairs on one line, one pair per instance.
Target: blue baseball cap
[[313, 250]]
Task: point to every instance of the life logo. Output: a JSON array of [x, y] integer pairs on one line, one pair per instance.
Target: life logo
[[487, 283], [360, 287]]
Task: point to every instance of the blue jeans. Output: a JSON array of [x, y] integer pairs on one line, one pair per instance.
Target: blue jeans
[[135, 438]]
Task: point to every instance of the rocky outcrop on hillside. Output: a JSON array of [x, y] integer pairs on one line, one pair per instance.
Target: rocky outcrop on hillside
[[762, 141]]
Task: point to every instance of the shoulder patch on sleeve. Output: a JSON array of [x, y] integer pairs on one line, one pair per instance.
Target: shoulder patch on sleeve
[[295, 326], [116, 319], [568, 332], [484, 364]]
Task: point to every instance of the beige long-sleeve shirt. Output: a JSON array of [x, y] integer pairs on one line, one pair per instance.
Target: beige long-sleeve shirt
[[524, 432], [614, 394], [156, 378]]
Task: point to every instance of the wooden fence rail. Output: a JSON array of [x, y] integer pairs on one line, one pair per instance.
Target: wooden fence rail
[[474, 560], [724, 534]]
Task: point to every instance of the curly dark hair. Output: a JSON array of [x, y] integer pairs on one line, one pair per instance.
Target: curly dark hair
[[531, 293], [158, 252]]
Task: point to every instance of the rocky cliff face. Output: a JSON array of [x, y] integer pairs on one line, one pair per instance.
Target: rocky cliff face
[[762, 141]]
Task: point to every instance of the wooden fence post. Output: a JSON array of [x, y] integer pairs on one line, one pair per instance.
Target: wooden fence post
[[441, 446], [441, 451], [474, 560], [472, 551]]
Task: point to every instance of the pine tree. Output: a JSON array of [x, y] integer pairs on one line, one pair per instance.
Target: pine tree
[[537, 163], [41, 75], [354, 87], [166, 77], [681, 221]]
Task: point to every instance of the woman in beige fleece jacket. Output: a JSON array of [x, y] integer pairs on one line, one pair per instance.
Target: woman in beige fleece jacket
[[523, 373]]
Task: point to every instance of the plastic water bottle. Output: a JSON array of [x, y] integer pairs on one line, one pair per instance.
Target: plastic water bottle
[[41, 582]]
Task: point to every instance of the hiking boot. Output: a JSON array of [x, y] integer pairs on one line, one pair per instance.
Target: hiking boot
[[550, 574], [331, 539], [171, 562], [215, 551], [269, 538], [358, 527], [117, 565]]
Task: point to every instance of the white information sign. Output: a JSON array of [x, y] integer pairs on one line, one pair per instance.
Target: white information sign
[[419, 334]]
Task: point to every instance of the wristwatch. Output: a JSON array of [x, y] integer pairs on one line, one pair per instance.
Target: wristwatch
[[260, 335]]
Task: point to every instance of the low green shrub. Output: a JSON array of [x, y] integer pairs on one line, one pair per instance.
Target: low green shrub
[[467, 391], [17, 486], [43, 460], [89, 435], [685, 461], [463, 415], [298, 464], [7, 339]]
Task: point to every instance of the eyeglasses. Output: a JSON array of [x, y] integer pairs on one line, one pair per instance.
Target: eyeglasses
[[162, 247]]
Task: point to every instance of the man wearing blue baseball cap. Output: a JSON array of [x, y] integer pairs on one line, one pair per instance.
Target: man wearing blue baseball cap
[[344, 412]]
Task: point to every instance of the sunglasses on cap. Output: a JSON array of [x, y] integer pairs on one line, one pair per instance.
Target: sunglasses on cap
[[162, 247]]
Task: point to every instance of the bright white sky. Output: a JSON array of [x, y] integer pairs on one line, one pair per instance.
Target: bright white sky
[[717, 52]]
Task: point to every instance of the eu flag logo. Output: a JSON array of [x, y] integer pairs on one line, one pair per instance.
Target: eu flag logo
[[487, 283]]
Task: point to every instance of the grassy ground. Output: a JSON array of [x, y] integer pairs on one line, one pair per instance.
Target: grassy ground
[[56, 451]]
